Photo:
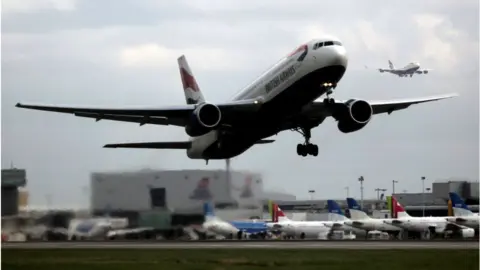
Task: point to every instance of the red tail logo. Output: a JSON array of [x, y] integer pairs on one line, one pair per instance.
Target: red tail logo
[[397, 207], [188, 80]]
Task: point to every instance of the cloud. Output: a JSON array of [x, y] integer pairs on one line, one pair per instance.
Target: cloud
[[124, 53], [32, 6], [151, 55], [440, 42]]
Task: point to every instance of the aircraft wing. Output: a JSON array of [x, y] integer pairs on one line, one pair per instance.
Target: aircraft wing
[[176, 116], [454, 226], [163, 145], [423, 71], [320, 110], [357, 223]]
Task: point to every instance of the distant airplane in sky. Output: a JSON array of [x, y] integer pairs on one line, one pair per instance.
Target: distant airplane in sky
[[410, 69], [282, 98]]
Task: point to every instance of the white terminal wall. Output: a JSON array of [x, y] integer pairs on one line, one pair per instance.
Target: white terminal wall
[[131, 190]]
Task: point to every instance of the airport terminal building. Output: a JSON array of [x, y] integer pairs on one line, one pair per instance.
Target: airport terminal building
[[180, 191]]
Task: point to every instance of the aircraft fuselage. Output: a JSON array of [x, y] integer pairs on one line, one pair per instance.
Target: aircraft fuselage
[[284, 90]]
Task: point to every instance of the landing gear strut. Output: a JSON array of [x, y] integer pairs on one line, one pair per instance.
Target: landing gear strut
[[306, 148], [329, 100]]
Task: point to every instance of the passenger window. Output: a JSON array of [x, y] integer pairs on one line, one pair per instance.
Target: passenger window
[[328, 43]]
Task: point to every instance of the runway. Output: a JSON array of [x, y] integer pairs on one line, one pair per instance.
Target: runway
[[247, 245]]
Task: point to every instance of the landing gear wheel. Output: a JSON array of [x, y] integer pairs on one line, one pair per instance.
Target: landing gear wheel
[[307, 148]]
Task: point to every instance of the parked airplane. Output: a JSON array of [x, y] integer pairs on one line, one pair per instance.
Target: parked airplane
[[312, 229], [217, 226], [282, 98], [294, 229], [360, 219], [410, 69], [463, 215], [251, 229], [427, 226], [94, 228], [339, 221]]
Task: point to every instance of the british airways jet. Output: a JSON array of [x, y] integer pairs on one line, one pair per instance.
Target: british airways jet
[[282, 98], [410, 69]]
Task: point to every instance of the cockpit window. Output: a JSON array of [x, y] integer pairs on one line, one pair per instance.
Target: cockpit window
[[317, 45], [326, 43]]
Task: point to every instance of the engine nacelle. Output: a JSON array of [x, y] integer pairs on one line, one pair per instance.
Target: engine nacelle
[[468, 233], [203, 119], [354, 116], [425, 71]]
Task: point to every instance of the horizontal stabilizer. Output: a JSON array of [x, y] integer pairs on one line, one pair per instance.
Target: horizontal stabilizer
[[151, 145]]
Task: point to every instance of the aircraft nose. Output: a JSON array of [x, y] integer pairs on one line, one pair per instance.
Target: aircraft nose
[[339, 57]]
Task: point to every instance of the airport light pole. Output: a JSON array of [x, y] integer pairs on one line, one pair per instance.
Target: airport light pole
[[378, 192], [361, 179], [347, 189], [393, 186], [311, 191], [228, 174], [423, 195]]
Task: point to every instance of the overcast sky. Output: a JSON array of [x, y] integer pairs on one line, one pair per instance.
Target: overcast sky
[[123, 53]]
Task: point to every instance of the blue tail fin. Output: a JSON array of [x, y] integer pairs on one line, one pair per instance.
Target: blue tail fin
[[352, 204], [457, 201], [334, 208], [208, 209]]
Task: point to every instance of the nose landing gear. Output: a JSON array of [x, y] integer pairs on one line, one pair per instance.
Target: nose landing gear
[[306, 148]]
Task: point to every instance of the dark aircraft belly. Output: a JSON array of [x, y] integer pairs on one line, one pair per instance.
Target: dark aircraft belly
[[266, 122]]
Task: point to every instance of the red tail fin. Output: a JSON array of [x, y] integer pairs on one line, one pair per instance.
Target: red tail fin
[[396, 207], [275, 212]]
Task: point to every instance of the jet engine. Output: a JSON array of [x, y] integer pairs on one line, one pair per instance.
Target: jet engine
[[203, 119], [468, 233], [354, 116], [425, 71]]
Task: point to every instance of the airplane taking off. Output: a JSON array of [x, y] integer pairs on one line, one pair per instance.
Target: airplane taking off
[[282, 98], [410, 69]]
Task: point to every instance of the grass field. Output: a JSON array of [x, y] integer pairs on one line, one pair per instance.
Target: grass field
[[236, 259]]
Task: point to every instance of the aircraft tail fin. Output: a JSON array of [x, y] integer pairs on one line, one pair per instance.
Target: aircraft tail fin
[[355, 210], [390, 64], [335, 211], [459, 206], [208, 210], [193, 95], [279, 214], [270, 210], [398, 210], [450, 208]]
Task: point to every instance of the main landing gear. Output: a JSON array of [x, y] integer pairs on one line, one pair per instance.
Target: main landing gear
[[306, 148]]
